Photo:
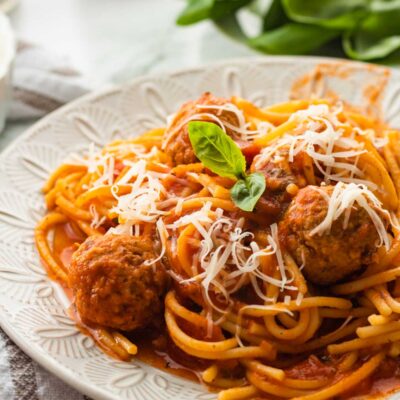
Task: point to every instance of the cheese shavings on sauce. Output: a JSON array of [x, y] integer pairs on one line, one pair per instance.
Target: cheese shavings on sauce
[[230, 258], [97, 221], [140, 204], [96, 163], [323, 139], [103, 162], [341, 202], [239, 131], [123, 150]]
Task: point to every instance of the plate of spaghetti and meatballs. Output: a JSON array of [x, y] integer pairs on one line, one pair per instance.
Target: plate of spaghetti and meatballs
[[226, 233]]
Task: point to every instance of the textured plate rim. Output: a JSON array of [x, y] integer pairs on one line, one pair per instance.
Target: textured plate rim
[[46, 361]]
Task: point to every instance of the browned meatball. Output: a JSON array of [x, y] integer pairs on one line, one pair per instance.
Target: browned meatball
[[279, 174], [113, 286], [277, 169], [176, 140], [333, 256]]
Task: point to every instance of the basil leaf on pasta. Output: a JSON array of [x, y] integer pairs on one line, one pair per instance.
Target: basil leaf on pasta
[[246, 192], [216, 150], [219, 153]]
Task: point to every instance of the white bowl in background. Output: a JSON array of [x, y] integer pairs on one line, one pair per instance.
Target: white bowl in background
[[8, 5], [7, 52]]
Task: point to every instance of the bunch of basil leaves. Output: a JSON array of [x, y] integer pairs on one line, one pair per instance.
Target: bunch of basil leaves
[[361, 29]]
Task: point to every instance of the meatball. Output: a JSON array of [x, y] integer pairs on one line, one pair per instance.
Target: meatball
[[112, 284], [279, 174], [332, 256], [176, 140], [275, 167]]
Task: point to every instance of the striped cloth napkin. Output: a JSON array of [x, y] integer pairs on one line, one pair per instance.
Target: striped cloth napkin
[[43, 81], [23, 379]]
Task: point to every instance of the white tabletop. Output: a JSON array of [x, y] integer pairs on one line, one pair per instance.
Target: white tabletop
[[113, 41]]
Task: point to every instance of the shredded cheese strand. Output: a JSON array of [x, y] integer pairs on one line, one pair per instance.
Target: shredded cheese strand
[[329, 149], [226, 261], [343, 199]]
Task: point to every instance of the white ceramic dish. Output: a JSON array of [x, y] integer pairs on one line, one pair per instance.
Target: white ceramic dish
[[7, 52], [32, 308]]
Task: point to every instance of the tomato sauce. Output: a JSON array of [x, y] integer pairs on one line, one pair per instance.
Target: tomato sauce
[[384, 381], [158, 350]]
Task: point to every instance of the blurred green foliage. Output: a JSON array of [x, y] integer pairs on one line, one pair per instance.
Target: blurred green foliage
[[367, 30]]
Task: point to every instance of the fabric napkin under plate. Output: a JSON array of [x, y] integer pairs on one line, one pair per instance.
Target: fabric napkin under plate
[[43, 81], [23, 379]]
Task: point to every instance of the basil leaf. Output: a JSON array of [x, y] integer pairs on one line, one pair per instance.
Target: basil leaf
[[293, 39], [195, 11], [198, 10], [366, 48], [231, 27], [246, 192], [223, 8], [337, 14], [216, 150], [364, 29], [378, 35], [275, 17]]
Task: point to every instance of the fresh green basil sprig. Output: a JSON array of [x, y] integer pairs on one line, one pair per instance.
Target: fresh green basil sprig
[[219, 153], [360, 29]]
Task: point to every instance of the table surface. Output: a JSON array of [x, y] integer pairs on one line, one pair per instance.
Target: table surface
[[113, 41], [110, 41]]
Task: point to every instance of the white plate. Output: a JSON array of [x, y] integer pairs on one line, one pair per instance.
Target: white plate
[[32, 308]]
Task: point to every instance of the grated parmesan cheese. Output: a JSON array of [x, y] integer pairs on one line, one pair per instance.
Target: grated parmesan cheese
[[163, 235], [226, 262], [96, 220], [121, 229], [343, 199], [140, 204], [378, 142], [241, 131], [318, 111], [323, 140], [179, 206], [299, 299], [95, 162], [196, 117], [122, 150], [103, 164]]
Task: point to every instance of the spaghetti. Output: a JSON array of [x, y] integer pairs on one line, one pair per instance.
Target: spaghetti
[[265, 304]]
